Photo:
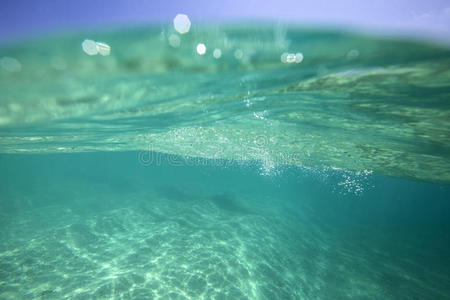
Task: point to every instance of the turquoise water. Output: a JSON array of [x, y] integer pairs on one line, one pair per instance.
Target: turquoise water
[[158, 173]]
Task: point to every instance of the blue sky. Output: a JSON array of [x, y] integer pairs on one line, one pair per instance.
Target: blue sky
[[429, 18]]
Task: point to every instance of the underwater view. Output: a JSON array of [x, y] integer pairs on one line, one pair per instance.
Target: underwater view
[[252, 160]]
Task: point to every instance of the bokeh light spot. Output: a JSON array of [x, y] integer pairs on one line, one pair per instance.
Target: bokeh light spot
[[174, 40], [201, 49], [89, 47], [291, 57], [298, 57], [238, 54], [217, 53], [181, 23], [103, 48]]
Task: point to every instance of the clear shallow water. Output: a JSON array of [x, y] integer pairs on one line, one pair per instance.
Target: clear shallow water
[[157, 172], [101, 225]]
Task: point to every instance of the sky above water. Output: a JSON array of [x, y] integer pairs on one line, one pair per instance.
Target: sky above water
[[426, 18]]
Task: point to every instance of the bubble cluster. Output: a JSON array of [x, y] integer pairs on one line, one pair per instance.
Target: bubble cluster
[[354, 182]]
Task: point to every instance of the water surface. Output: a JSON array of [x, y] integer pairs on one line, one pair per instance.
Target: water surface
[[158, 173]]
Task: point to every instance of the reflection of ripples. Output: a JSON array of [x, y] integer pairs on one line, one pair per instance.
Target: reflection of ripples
[[171, 243], [196, 250]]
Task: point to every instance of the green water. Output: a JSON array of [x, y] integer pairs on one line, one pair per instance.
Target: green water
[[159, 173]]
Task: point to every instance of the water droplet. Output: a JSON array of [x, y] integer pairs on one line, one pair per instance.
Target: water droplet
[[201, 48], [298, 57], [181, 23], [217, 53], [291, 57], [103, 48], [174, 40], [89, 47]]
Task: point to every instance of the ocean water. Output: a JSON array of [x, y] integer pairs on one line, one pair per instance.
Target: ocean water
[[297, 164]]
